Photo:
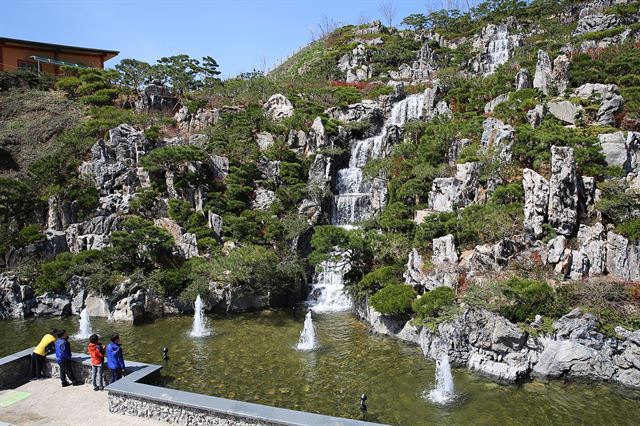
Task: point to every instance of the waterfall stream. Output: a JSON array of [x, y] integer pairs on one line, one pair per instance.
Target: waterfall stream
[[353, 203], [354, 195]]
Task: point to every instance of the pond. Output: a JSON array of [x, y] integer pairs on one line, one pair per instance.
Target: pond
[[252, 357]]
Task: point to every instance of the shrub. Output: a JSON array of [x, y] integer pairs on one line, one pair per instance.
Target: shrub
[[376, 280], [526, 299], [393, 300], [140, 244], [617, 202], [630, 229], [432, 303]]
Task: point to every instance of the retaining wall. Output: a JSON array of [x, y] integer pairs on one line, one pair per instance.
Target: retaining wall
[[134, 395]]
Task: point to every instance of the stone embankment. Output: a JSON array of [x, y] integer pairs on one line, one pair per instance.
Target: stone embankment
[[491, 345]]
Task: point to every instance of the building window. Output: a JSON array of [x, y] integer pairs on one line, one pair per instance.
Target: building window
[[28, 66]]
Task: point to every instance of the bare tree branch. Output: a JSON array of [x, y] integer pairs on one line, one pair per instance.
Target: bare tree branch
[[389, 11]]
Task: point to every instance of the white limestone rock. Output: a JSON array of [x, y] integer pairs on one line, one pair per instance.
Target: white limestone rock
[[536, 200], [556, 247], [497, 137], [444, 250], [565, 111], [523, 79], [185, 243], [623, 257], [492, 104], [591, 19], [591, 240], [536, 115], [278, 107], [455, 192], [563, 191], [263, 199], [264, 140]]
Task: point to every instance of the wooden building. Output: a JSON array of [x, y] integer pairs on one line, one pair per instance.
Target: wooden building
[[48, 57]]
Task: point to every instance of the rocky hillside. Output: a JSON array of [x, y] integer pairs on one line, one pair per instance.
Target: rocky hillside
[[472, 178]]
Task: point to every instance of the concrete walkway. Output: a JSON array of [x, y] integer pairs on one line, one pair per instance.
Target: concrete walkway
[[45, 402]]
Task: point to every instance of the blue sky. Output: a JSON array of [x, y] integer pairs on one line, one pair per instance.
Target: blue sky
[[240, 34]]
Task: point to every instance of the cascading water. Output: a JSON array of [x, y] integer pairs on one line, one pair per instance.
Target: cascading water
[[353, 199], [353, 203], [443, 393], [200, 328], [327, 292], [498, 49], [307, 340], [85, 325]]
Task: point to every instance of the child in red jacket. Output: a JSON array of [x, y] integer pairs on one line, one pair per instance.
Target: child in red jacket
[[96, 351]]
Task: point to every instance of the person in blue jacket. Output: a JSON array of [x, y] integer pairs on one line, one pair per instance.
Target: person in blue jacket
[[115, 358], [63, 358]]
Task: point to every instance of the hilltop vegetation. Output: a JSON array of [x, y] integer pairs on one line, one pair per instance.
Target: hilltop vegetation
[[216, 192]]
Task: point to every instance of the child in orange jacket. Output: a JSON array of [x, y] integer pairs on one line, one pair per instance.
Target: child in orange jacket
[[96, 351]]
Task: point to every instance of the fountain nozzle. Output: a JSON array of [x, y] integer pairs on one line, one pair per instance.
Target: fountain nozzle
[[363, 405]]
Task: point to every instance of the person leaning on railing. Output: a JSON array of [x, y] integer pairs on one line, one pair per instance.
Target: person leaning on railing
[[39, 355]]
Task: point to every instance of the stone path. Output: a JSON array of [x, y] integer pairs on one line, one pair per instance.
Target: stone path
[[45, 402]]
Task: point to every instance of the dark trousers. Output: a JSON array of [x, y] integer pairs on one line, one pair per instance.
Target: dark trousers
[[66, 370], [37, 365], [115, 375]]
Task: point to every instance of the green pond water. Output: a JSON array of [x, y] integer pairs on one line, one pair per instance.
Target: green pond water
[[251, 357]]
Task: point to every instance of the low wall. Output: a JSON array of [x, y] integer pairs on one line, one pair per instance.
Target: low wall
[[134, 395]]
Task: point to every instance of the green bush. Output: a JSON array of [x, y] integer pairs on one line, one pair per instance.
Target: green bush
[[376, 280], [617, 202], [23, 79], [526, 299], [432, 303], [54, 275], [140, 244], [393, 300], [630, 229]]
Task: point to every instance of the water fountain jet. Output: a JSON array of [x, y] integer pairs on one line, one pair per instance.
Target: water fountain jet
[[307, 335], [443, 393], [200, 328], [85, 326]]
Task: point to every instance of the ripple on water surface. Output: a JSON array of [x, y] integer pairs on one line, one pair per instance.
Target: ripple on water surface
[[252, 357]]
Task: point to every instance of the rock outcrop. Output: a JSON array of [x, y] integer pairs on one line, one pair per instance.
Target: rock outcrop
[[195, 122], [114, 162], [536, 201], [455, 192], [356, 64], [621, 151], [422, 69], [523, 80], [592, 242], [185, 243], [563, 191], [497, 138], [363, 111], [492, 346], [551, 76], [278, 107], [565, 111], [592, 20], [611, 103], [155, 96], [623, 257]]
